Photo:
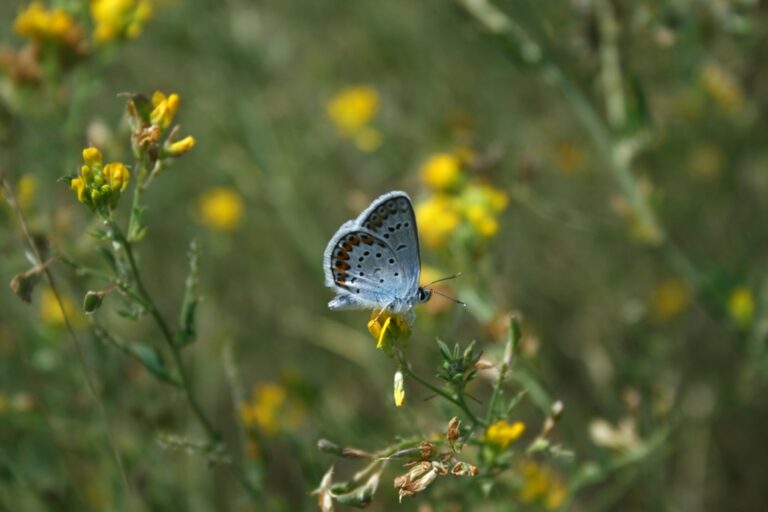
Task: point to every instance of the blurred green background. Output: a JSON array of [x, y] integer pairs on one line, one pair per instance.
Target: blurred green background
[[650, 326]]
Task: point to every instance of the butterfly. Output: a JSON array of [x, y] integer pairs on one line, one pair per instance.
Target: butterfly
[[373, 262]]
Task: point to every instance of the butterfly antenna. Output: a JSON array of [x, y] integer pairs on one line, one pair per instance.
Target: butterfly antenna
[[457, 301], [454, 276]]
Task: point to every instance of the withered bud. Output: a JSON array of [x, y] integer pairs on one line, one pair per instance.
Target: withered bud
[[426, 450], [23, 284], [453, 434], [355, 453], [464, 469], [324, 445], [417, 479]]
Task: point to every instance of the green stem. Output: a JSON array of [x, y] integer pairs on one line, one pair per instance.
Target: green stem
[[212, 433], [457, 400]]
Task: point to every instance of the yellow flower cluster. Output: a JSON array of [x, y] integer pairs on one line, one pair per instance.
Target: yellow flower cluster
[[99, 186], [264, 409], [456, 205], [502, 433], [37, 23], [50, 312], [221, 208], [388, 330], [351, 111], [165, 108], [114, 19], [541, 484]]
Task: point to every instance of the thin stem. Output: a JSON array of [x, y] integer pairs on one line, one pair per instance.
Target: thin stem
[[210, 430], [457, 400]]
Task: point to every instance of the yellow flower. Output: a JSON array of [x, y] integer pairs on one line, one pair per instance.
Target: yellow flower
[[438, 218], [265, 409], [180, 147], [741, 306], [99, 186], [541, 484], [165, 109], [221, 208], [501, 434], [668, 300], [50, 312], [353, 108], [441, 171], [723, 88], [388, 330], [116, 175], [35, 22], [113, 19], [399, 389]]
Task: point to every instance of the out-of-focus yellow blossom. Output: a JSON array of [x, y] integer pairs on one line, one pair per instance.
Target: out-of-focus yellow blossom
[[741, 306], [114, 19], [502, 433], [38, 23], [182, 146], [706, 162], [50, 312], [353, 108], [441, 171], [723, 87], [165, 109], [264, 411], [399, 389], [438, 217], [221, 208], [541, 484], [669, 299], [482, 203], [99, 186], [389, 330], [26, 190], [569, 158]]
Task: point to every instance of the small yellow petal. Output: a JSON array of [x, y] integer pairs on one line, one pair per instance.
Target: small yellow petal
[[92, 156]]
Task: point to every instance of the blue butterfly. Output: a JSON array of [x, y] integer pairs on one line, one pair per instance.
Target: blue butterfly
[[373, 262]]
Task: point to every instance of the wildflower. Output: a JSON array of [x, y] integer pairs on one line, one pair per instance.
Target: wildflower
[[388, 330], [115, 19], [353, 108], [99, 186], [438, 218], [501, 434], [741, 306], [50, 312], [482, 203], [399, 389], [165, 108], [419, 477], [441, 171], [723, 87], [541, 484], [351, 111], [265, 409], [668, 300], [180, 147], [221, 208], [37, 23]]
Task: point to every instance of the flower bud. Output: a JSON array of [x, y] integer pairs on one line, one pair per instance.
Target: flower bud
[[92, 301], [92, 156], [399, 389]]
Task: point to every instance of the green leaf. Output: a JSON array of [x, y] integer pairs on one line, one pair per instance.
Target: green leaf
[[152, 360], [444, 350], [187, 331]]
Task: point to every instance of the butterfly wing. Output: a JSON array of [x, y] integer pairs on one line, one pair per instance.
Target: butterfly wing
[[391, 218], [363, 269]]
